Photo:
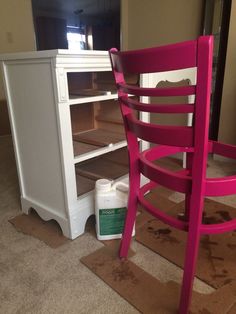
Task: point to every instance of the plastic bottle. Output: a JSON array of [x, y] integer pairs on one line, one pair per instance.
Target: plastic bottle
[[110, 208]]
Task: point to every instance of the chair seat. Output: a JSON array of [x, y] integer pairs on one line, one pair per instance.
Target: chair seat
[[181, 181], [177, 181], [175, 222], [224, 185], [156, 212]]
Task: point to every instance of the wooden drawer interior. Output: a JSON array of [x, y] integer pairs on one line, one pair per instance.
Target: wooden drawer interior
[[90, 83], [110, 166], [79, 81], [96, 125]]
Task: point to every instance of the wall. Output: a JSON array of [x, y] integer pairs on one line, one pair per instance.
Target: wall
[[157, 22], [227, 129], [16, 34], [16, 28], [124, 32]]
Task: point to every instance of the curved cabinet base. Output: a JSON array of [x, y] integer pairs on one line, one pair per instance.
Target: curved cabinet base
[[71, 227]]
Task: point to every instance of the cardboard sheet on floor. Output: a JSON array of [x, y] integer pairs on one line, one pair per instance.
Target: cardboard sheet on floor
[[217, 256], [47, 231], [146, 293], [160, 200]]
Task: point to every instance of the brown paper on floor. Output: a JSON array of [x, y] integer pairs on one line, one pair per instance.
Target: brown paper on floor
[[47, 231], [217, 255], [232, 310], [148, 294], [161, 200]]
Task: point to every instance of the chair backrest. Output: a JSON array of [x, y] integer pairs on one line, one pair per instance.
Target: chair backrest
[[190, 54], [170, 77]]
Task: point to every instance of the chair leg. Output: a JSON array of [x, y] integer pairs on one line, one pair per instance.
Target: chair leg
[[129, 222], [190, 261], [134, 184], [188, 278], [189, 164]]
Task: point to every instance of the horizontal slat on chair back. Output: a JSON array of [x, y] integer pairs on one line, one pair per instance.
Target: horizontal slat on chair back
[[157, 108], [157, 92], [159, 134], [173, 57], [181, 136]]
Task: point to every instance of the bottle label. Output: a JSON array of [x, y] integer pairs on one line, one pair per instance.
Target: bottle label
[[111, 220]]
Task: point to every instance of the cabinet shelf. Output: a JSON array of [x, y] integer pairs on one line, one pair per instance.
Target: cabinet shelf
[[75, 99], [98, 137], [111, 166], [81, 148], [95, 142], [101, 168], [97, 152], [91, 92]]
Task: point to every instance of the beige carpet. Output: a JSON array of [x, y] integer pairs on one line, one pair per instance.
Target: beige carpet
[[38, 279]]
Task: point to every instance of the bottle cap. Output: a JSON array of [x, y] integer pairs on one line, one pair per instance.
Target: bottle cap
[[103, 185]]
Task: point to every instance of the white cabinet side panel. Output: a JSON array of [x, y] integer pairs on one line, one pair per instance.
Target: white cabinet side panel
[[33, 116]]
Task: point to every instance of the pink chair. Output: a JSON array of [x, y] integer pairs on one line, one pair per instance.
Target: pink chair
[[193, 140]]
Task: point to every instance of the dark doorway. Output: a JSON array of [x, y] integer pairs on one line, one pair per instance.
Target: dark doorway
[[81, 24], [216, 22]]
